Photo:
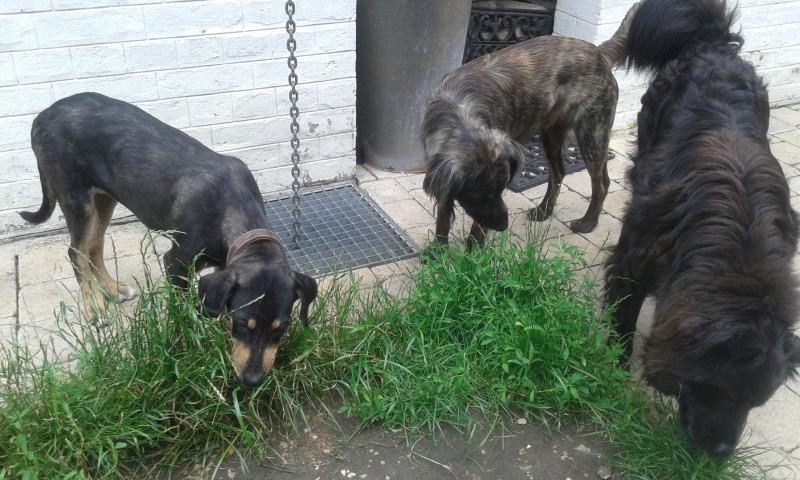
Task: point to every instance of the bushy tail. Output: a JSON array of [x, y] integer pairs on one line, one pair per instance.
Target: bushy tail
[[48, 203], [662, 29], [615, 48]]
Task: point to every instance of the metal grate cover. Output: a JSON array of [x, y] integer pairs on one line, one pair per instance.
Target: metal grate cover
[[493, 27], [535, 170], [341, 228]]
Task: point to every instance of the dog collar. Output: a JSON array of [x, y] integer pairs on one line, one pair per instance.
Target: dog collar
[[248, 238]]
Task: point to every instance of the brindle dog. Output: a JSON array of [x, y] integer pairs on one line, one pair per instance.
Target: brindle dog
[[481, 112], [94, 151]]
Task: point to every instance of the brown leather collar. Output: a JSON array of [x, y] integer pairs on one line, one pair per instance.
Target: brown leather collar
[[248, 238]]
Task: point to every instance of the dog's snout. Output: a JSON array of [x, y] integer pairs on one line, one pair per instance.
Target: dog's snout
[[720, 450], [252, 379], [496, 222]]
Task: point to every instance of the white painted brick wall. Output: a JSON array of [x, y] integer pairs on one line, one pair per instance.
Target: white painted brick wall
[[769, 28], [215, 68]]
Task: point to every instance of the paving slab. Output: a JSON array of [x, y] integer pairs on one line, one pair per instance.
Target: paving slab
[[411, 182], [777, 126], [794, 186], [8, 333], [622, 142], [792, 136], [616, 203], [517, 203], [788, 154], [364, 174], [386, 191], [45, 262], [39, 302], [423, 199], [786, 115], [570, 206], [607, 232], [8, 295], [408, 214]]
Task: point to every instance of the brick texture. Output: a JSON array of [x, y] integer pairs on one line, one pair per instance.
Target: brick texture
[[769, 28], [215, 68]]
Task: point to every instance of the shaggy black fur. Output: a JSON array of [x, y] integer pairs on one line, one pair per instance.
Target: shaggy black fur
[[709, 230]]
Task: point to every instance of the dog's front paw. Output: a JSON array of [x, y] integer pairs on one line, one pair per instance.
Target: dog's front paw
[[584, 225], [126, 292]]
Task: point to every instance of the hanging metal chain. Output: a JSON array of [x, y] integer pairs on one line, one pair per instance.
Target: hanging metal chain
[[291, 45]]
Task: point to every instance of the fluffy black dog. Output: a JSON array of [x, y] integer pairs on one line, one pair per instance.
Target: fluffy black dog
[[709, 230]]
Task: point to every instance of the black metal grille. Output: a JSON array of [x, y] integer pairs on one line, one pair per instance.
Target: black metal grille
[[535, 170], [494, 28], [341, 228]]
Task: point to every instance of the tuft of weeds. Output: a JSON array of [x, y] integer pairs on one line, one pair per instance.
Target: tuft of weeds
[[503, 328], [152, 389], [507, 330], [647, 442]]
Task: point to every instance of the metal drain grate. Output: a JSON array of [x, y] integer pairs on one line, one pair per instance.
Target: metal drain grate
[[341, 228], [535, 170]]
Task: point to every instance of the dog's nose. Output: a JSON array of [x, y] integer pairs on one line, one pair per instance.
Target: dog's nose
[[502, 225], [253, 379], [721, 450], [498, 224]]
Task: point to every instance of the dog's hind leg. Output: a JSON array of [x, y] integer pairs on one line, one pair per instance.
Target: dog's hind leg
[[104, 209], [552, 145], [79, 212], [593, 145]]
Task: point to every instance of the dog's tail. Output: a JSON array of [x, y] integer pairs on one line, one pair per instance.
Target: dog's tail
[[662, 29], [48, 203], [614, 49]]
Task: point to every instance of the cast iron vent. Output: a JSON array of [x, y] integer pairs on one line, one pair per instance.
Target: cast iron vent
[[496, 25], [535, 170], [342, 228]]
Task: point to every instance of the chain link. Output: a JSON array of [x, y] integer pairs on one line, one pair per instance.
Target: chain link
[[294, 112]]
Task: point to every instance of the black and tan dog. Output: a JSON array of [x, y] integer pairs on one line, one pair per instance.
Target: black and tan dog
[[94, 151], [709, 230], [476, 119]]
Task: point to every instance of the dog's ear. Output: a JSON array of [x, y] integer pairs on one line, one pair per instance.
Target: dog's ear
[[444, 178], [663, 381], [216, 289], [742, 346], [306, 291], [663, 369], [517, 159]]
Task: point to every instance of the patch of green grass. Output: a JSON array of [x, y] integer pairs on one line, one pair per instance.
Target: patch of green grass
[[504, 331], [154, 388], [647, 443], [506, 328]]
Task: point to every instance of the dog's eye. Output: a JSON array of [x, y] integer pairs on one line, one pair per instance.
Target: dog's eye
[[244, 324]]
